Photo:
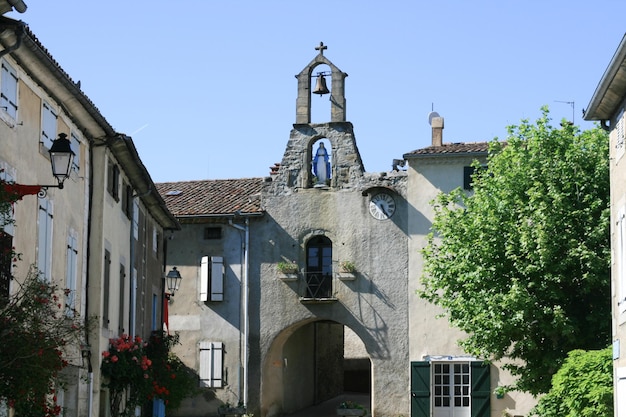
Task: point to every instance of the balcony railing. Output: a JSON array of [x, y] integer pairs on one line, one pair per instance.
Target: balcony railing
[[317, 286]]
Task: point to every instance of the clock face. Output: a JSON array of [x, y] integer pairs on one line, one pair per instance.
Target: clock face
[[382, 206]]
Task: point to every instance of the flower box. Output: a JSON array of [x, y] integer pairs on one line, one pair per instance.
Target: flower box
[[350, 412], [346, 276], [238, 411], [288, 276]]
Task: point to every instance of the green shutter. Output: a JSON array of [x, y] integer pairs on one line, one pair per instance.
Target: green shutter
[[481, 389], [420, 389]]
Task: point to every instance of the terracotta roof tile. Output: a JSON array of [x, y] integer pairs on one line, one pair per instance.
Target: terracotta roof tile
[[450, 149], [212, 197]]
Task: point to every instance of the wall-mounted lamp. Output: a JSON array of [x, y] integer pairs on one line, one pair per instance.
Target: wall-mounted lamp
[[172, 282], [61, 157]]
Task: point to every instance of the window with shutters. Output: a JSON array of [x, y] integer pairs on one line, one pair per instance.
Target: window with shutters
[[127, 199], [620, 137], [211, 364], [8, 90], [7, 230], [48, 124], [620, 260], [212, 278], [75, 145], [122, 304], [70, 275], [113, 179], [44, 238], [6, 244], [450, 388], [106, 288], [468, 173]]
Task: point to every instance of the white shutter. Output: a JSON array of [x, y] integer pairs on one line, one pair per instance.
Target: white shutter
[[211, 363], [204, 278], [70, 274], [44, 246], [217, 278]]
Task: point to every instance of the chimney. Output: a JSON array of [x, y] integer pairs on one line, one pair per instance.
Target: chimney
[[437, 125]]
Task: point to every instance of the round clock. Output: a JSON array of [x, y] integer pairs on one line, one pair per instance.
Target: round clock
[[382, 206]]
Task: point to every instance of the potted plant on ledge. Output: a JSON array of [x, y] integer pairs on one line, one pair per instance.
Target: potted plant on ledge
[[350, 408], [347, 270], [288, 270], [229, 409]]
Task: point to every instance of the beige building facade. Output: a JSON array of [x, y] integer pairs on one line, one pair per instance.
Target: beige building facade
[[103, 235], [607, 105]]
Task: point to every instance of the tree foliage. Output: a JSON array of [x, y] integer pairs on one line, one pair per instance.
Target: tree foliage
[[522, 264], [583, 387]]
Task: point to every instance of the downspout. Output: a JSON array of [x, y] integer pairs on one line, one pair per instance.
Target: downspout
[[246, 230], [87, 274], [605, 125], [19, 33], [18, 5]]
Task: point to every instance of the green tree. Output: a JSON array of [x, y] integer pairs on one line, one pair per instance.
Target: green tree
[[583, 387], [522, 263]]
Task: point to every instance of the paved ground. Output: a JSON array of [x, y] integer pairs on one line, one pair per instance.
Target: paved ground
[[328, 408]]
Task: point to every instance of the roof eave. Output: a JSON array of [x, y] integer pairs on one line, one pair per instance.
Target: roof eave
[[603, 105]]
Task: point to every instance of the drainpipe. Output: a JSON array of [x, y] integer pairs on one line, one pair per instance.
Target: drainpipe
[[19, 33], [244, 284], [18, 5]]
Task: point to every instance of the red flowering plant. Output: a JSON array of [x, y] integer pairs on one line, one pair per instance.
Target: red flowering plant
[[127, 372], [136, 372], [172, 380], [38, 341]]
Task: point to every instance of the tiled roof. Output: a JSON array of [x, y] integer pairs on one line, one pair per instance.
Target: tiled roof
[[212, 197], [450, 149]]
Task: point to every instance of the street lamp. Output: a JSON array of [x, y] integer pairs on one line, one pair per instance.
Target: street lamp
[[172, 281], [61, 157]]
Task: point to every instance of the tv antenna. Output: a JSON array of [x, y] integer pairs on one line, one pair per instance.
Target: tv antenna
[[571, 103]]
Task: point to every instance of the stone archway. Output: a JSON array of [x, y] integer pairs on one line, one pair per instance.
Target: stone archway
[[307, 365]]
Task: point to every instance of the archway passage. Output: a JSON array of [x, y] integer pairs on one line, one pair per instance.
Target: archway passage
[[315, 363]]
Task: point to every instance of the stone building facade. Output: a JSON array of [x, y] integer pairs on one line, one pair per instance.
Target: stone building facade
[[282, 340]]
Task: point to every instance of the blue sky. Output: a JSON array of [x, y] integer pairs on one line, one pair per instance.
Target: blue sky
[[206, 88]]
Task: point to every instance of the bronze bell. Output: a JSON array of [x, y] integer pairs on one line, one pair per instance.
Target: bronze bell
[[320, 85]]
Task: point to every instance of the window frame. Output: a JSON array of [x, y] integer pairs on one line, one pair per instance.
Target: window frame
[[44, 238], [49, 119], [9, 89], [71, 275]]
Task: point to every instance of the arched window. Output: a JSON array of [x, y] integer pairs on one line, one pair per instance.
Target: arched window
[[319, 255]]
